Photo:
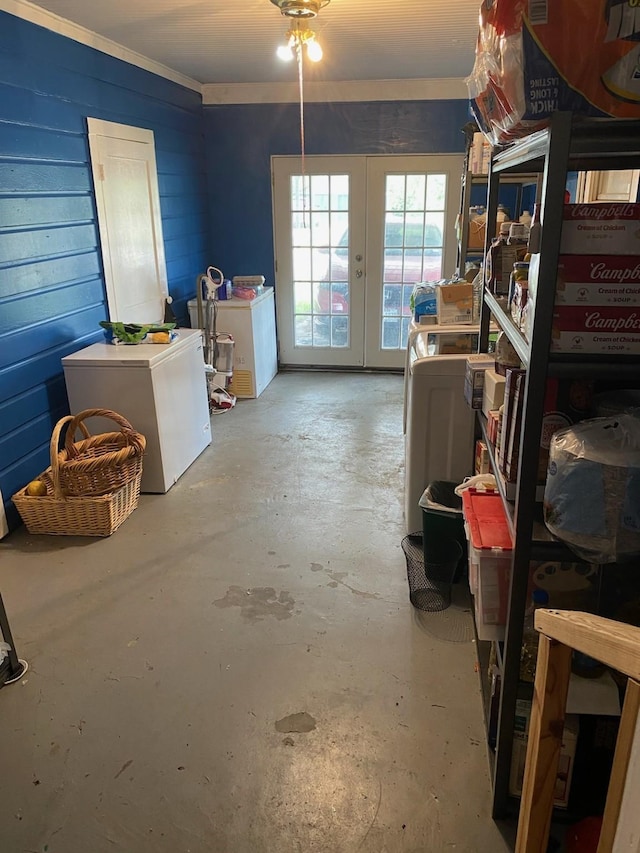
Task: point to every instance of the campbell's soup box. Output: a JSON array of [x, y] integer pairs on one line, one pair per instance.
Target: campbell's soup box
[[598, 280], [609, 330], [601, 229]]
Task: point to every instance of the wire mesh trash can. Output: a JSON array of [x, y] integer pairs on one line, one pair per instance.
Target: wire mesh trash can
[[442, 520], [430, 584]]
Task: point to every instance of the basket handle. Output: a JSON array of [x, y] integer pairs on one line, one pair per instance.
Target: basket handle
[[133, 437], [54, 445]]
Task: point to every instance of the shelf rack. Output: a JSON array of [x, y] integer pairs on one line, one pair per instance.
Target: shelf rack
[[569, 143], [469, 181]]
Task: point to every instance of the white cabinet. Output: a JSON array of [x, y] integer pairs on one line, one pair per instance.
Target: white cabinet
[[160, 389]]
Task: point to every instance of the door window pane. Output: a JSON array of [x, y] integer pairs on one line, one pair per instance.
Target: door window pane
[[412, 251], [320, 245]]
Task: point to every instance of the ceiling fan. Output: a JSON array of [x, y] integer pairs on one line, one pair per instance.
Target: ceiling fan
[[300, 8]]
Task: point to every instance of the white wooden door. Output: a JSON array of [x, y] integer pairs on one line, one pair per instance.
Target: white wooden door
[[319, 230], [352, 238], [125, 178], [412, 204]]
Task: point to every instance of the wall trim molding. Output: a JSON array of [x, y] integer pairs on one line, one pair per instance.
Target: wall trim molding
[[43, 18], [453, 88]]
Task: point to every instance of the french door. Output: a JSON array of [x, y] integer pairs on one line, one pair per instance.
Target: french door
[[353, 235]]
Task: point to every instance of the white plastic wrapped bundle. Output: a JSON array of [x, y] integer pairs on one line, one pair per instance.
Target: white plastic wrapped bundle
[[592, 495]]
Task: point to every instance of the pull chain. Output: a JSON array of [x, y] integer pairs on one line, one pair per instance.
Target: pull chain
[[299, 58]]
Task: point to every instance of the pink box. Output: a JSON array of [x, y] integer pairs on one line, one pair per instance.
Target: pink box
[[598, 280], [595, 329], [601, 229]]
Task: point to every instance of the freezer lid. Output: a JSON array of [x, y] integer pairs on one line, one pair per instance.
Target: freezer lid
[[238, 304], [439, 365], [134, 355]]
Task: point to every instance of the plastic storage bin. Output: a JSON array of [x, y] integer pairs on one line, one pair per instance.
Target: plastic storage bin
[[490, 550], [442, 521]]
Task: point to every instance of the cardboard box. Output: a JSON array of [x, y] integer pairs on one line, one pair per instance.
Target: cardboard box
[[477, 233], [493, 392], [482, 463], [474, 378], [507, 416], [512, 455], [455, 303], [567, 753], [601, 229], [479, 155], [591, 329], [601, 280], [493, 427]]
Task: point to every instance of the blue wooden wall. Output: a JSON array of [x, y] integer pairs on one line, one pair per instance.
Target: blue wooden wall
[[242, 138], [52, 293]]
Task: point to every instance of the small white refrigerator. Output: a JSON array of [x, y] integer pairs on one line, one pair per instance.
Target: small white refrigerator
[[160, 388]]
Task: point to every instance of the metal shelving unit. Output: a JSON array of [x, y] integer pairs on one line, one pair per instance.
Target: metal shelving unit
[[568, 144], [469, 181]]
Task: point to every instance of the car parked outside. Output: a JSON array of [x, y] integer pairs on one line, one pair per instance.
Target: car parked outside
[[412, 253]]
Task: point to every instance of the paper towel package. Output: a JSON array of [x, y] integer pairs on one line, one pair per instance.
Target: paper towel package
[[592, 494], [526, 67]]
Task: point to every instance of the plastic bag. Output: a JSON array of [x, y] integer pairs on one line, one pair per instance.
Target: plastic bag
[[423, 300], [5, 648], [480, 482], [526, 68], [592, 493]]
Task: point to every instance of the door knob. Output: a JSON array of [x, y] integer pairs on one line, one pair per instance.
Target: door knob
[[358, 273], [358, 258]]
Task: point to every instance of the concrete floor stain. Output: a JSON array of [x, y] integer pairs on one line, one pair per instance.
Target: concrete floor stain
[[258, 602], [301, 723]]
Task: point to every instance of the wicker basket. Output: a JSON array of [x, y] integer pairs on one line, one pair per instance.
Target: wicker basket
[[58, 514], [99, 464]]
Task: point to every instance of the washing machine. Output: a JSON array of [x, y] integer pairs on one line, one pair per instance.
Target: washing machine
[[438, 423]]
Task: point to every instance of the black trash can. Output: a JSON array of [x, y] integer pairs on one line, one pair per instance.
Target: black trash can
[[430, 585], [442, 521]]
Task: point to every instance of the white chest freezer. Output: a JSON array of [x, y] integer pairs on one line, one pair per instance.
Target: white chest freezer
[[438, 422], [252, 324], [160, 388]]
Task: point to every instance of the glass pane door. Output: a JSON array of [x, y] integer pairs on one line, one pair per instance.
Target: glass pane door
[[319, 289], [411, 215], [342, 300]]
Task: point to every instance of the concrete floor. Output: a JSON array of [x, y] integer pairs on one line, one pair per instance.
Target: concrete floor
[[268, 582]]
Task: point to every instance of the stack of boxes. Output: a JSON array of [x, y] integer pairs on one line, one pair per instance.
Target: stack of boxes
[[597, 305]]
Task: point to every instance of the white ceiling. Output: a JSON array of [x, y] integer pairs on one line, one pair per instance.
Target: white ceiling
[[234, 41]]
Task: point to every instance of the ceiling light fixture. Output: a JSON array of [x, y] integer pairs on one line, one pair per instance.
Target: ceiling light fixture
[[300, 36], [300, 8]]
